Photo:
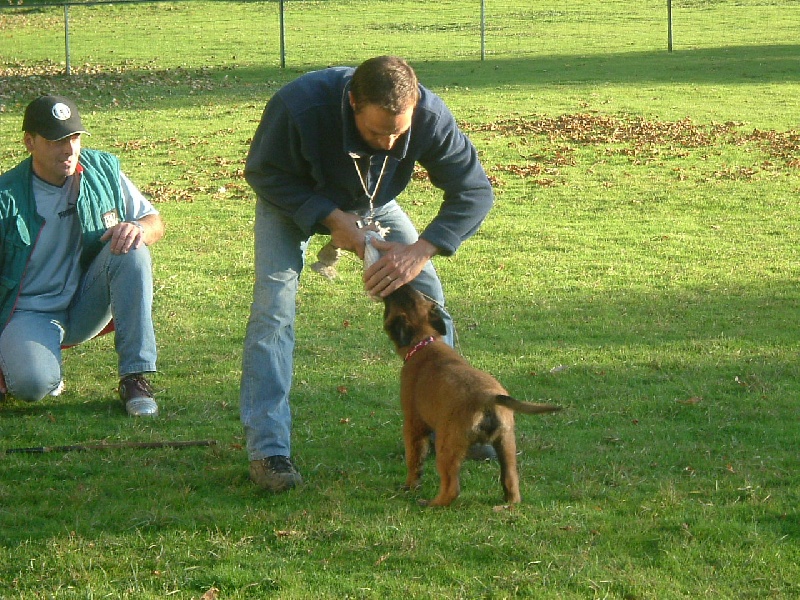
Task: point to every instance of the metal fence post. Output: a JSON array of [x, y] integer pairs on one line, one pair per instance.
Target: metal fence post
[[66, 37], [669, 25], [483, 29], [282, 36]]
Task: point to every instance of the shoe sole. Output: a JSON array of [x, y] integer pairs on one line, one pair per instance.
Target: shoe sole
[[277, 488], [276, 483], [141, 407]]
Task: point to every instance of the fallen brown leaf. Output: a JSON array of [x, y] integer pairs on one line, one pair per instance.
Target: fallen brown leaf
[[692, 400]]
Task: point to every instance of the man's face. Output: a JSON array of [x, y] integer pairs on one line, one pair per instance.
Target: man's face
[[54, 161], [381, 129]]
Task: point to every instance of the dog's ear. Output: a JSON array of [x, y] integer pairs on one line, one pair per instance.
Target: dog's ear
[[400, 331], [436, 320]]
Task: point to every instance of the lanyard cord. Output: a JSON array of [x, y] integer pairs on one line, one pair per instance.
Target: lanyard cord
[[363, 181]]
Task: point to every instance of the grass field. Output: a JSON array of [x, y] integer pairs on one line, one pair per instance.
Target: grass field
[[640, 268]]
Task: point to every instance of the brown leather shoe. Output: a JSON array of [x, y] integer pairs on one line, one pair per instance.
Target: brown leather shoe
[[275, 473]]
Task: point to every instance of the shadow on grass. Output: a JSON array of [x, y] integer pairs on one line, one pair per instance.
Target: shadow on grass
[[730, 65], [56, 408], [725, 65], [633, 421]]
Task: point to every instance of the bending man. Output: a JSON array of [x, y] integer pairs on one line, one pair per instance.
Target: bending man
[[332, 152]]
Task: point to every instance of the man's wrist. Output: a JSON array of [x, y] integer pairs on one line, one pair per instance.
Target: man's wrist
[[426, 247], [334, 219]]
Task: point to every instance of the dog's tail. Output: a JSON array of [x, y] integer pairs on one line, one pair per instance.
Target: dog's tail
[[529, 408]]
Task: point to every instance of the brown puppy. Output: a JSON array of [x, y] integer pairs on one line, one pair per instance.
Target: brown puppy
[[440, 392]]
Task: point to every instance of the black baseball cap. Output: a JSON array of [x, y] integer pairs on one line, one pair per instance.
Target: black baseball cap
[[53, 118]]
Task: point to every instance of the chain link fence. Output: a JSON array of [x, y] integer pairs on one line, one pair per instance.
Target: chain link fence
[[303, 33]]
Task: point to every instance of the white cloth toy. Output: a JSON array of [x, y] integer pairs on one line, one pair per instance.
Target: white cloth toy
[[371, 253]]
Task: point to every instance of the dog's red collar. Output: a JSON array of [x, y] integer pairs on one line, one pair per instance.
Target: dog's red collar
[[420, 345]]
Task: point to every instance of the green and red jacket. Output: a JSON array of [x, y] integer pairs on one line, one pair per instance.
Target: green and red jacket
[[100, 194]]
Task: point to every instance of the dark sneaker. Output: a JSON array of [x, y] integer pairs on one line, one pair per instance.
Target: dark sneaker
[[275, 473], [137, 396], [481, 452]]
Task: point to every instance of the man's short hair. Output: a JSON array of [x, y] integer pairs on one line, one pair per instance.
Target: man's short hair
[[386, 81]]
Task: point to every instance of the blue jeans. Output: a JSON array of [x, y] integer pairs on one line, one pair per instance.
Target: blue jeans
[[118, 285], [267, 364]]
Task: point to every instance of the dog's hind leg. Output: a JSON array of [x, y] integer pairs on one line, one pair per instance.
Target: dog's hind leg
[[506, 448], [449, 458], [415, 437]]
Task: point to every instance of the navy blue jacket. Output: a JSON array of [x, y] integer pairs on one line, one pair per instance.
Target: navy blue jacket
[[301, 159]]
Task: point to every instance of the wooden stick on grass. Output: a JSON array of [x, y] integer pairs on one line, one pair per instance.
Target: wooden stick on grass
[[84, 447]]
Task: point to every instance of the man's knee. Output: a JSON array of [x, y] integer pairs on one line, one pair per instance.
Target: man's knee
[[32, 386], [131, 274], [136, 260]]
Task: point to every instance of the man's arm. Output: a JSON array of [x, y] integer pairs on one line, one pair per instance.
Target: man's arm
[[279, 171], [142, 225], [152, 228], [452, 163], [132, 234]]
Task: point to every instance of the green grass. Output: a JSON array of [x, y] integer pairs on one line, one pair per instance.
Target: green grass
[[640, 268]]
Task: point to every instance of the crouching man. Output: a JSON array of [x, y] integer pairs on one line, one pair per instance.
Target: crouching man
[[74, 237]]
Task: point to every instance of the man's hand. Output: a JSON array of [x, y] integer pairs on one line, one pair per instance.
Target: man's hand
[[345, 232], [127, 235], [399, 264]]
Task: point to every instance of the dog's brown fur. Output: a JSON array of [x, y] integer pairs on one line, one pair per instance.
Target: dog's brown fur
[[440, 392]]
